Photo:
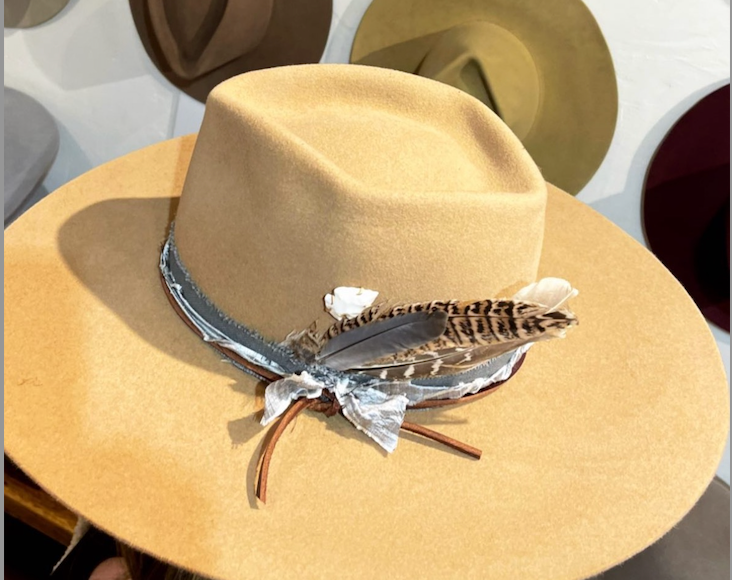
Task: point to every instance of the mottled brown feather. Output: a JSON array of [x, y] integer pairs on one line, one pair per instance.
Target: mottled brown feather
[[476, 331]]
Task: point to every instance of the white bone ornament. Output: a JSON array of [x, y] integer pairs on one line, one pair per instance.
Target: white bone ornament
[[348, 301]]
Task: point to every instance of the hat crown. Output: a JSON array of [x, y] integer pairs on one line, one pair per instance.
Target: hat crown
[[198, 36], [311, 177], [491, 64]]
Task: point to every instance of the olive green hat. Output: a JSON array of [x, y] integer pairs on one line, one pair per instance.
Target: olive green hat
[[544, 67]]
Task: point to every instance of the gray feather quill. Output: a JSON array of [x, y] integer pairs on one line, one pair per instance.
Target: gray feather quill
[[382, 338]]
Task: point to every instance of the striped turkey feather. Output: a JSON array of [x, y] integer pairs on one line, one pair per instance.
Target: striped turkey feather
[[473, 332]]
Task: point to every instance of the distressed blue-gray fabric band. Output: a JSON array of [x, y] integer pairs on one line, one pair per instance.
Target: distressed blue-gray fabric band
[[176, 273]]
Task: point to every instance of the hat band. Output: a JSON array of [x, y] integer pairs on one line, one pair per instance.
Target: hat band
[[374, 406]]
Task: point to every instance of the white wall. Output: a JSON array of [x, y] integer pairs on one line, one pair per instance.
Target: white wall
[[89, 69]]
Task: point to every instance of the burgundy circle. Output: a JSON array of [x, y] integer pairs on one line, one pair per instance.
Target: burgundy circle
[[686, 204]]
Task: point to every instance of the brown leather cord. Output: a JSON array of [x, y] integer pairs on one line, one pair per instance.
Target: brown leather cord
[[464, 448], [293, 411], [329, 406]]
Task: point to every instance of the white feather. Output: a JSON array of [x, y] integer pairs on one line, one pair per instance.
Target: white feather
[[549, 292]]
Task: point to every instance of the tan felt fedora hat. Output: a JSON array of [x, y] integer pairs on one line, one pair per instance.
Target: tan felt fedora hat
[[544, 67], [305, 179], [197, 44], [28, 13]]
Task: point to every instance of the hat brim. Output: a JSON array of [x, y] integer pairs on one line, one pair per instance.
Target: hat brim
[[686, 204], [297, 34], [597, 447], [32, 140], [29, 13], [579, 98]]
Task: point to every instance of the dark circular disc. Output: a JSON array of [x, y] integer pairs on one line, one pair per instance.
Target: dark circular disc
[[686, 204]]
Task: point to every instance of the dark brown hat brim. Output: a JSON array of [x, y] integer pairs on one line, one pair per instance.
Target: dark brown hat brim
[[297, 33]]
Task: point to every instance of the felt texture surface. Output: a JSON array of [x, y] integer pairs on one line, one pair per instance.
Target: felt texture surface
[[199, 44], [597, 447], [689, 232], [28, 13], [545, 67], [31, 144]]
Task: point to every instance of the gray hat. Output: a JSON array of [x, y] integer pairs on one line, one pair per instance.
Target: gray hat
[[31, 144]]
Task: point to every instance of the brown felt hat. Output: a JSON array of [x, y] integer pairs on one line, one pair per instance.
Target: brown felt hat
[[301, 180], [28, 13], [197, 44], [543, 67], [686, 204]]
